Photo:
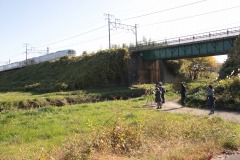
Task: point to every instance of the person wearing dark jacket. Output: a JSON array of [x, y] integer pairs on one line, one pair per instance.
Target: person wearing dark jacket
[[211, 99], [162, 89], [158, 98], [183, 93]]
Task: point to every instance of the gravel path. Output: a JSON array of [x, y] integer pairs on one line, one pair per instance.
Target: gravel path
[[174, 107]]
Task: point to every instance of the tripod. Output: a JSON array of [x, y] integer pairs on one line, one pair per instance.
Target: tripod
[[149, 94]]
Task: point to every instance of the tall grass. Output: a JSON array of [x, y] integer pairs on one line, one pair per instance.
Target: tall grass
[[110, 130]]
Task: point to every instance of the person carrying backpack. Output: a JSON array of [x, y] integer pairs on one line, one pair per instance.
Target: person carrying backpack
[[158, 98], [162, 89]]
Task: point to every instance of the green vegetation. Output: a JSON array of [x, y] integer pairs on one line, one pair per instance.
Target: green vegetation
[[123, 128], [28, 100], [65, 123], [102, 69], [233, 61], [227, 93], [192, 68]]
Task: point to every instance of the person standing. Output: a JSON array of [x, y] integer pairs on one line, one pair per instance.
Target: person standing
[[211, 99], [162, 89], [158, 98], [183, 93]]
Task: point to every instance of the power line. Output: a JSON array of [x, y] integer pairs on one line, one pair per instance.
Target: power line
[[83, 42], [73, 36], [118, 25], [164, 10], [14, 55], [124, 19], [205, 30], [88, 40], [143, 25], [177, 19], [141, 16]]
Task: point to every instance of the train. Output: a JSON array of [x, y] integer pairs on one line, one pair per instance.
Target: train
[[40, 59]]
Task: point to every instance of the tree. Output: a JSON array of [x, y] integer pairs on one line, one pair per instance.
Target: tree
[[195, 67], [84, 53], [232, 65]]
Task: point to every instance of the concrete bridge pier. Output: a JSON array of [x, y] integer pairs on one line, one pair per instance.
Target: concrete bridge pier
[[149, 71]]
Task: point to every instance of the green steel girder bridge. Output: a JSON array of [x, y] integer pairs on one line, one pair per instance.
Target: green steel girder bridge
[[199, 45]]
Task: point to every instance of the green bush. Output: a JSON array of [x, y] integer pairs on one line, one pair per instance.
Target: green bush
[[227, 95]]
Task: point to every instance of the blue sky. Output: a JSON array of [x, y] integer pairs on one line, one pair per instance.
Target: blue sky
[[82, 26]]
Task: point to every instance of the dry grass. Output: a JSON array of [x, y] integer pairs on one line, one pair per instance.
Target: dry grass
[[113, 130], [166, 137]]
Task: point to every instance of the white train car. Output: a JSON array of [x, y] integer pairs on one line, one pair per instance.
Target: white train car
[[54, 56], [9, 66], [36, 60]]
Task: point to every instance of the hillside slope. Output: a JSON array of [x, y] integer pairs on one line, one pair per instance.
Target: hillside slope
[[104, 68]]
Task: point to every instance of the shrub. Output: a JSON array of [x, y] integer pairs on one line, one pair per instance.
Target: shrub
[[122, 139], [61, 87], [227, 95], [31, 87]]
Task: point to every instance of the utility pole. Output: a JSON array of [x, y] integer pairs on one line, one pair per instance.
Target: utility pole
[[26, 52], [32, 50], [109, 16], [135, 27], [117, 25]]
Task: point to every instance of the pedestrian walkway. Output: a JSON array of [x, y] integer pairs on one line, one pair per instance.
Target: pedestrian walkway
[[173, 106]]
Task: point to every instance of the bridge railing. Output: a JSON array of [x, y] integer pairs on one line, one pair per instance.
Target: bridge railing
[[218, 34]]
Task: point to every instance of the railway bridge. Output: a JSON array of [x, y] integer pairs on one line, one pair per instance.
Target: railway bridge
[[213, 43]]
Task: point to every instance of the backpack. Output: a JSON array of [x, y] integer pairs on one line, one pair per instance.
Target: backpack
[[162, 89]]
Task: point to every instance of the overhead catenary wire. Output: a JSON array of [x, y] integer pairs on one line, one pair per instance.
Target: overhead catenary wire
[[163, 10], [141, 26], [197, 15], [139, 16], [205, 30], [73, 36], [123, 20], [87, 41], [177, 19], [82, 42], [13, 56]]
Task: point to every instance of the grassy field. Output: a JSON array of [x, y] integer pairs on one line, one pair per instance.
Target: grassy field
[[118, 129], [28, 100]]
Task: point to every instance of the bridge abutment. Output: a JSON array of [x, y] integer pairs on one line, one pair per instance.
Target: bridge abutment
[[149, 71]]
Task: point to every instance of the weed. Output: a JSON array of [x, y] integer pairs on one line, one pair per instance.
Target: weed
[[230, 142], [111, 129]]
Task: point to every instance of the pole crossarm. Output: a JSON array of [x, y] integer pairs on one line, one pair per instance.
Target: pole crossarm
[[116, 24], [123, 26]]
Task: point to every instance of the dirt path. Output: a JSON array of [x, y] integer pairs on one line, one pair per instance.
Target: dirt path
[[174, 107]]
